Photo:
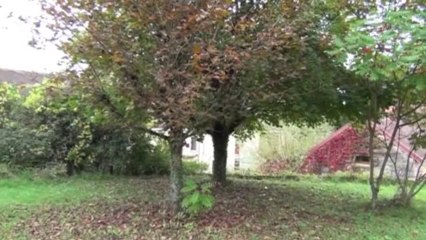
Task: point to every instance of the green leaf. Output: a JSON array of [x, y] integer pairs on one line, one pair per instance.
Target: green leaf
[[367, 40], [190, 186], [335, 52], [338, 42], [207, 201], [186, 202], [411, 58], [206, 187], [195, 197], [420, 81]]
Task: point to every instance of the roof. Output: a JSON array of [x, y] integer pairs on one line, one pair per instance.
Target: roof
[[402, 138], [20, 77], [341, 130], [335, 151]]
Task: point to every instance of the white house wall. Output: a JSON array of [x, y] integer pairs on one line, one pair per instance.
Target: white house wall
[[246, 159], [401, 163], [249, 153], [204, 152]]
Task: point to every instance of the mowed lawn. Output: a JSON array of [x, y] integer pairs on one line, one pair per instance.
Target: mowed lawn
[[97, 207]]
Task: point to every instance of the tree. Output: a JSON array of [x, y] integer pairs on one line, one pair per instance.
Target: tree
[[407, 123], [164, 65], [238, 64], [9, 95], [121, 42], [385, 49], [195, 68], [291, 81]]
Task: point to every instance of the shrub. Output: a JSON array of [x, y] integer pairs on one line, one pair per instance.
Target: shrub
[[124, 151], [41, 129], [53, 124], [284, 149], [9, 98], [197, 197], [25, 147], [52, 171], [152, 159], [191, 167], [5, 171]]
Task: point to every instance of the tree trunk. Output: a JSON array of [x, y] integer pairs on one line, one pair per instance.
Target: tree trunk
[[403, 198], [374, 197], [176, 171], [70, 168], [374, 184], [220, 138], [373, 187], [372, 124]]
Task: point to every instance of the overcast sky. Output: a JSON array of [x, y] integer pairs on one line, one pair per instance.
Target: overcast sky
[[15, 53]]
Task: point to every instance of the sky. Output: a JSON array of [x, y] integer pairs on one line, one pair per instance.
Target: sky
[[15, 52]]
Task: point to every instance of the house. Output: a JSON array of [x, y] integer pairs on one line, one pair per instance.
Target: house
[[241, 155], [274, 143], [347, 149]]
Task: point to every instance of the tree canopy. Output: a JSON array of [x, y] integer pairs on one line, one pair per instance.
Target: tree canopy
[[195, 67], [386, 49]]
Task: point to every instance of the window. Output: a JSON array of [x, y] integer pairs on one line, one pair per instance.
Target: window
[[362, 159]]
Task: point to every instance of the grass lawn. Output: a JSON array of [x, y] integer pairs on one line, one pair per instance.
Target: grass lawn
[[94, 207]]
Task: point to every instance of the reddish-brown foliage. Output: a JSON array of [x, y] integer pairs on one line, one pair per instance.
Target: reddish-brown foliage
[[334, 153]]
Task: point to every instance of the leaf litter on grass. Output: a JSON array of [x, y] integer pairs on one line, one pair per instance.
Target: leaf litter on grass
[[137, 209]]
